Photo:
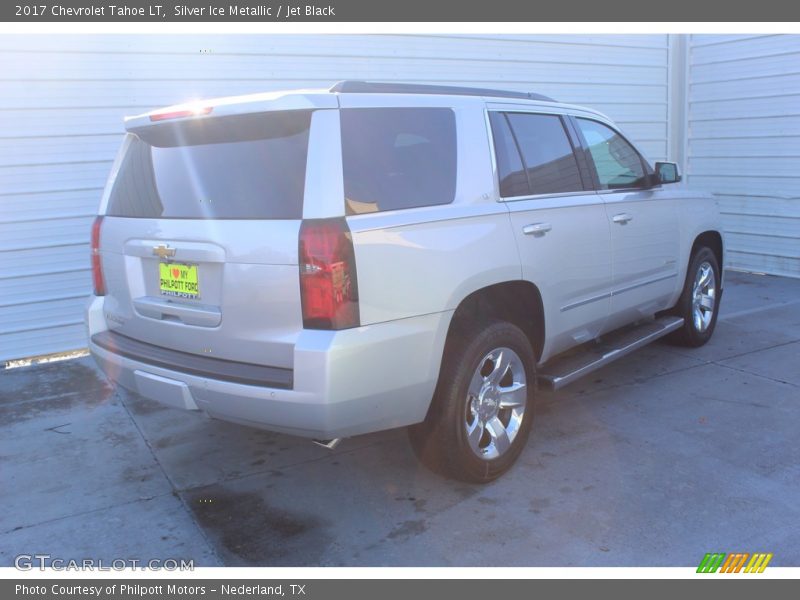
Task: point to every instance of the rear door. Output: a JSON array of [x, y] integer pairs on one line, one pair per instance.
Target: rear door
[[558, 220], [645, 234], [199, 240]]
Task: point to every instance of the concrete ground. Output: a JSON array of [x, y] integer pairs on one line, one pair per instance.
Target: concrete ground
[[653, 461]]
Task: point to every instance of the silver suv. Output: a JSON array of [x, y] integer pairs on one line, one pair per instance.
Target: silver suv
[[331, 263]]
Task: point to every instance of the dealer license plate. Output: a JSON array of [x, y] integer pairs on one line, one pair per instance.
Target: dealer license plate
[[178, 280]]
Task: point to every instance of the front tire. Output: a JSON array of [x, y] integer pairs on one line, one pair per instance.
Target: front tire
[[699, 301], [482, 411]]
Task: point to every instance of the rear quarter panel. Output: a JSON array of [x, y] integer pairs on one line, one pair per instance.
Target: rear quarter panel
[[420, 268]]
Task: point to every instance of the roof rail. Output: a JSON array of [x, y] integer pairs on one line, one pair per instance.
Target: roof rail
[[381, 87]]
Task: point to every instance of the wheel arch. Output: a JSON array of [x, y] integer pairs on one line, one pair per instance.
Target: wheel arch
[[518, 302], [712, 239]]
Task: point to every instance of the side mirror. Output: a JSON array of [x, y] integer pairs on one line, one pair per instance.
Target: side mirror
[[667, 172]]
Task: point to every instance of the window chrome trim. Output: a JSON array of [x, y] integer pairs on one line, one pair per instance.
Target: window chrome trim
[[627, 190], [572, 110], [553, 195], [493, 156]]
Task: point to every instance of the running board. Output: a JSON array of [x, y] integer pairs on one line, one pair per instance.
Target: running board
[[563, 370]]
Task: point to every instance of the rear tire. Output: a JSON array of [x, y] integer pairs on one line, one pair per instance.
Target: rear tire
[[699, 301], [482, 411]]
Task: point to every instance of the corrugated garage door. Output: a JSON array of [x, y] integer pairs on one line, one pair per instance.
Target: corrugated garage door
[[63, 99], [744, 143]]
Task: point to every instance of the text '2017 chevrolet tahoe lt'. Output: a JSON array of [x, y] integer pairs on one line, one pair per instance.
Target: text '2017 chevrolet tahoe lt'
[[332, 263]]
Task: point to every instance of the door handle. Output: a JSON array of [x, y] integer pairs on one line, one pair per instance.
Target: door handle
[[536, 228], [622, 218]]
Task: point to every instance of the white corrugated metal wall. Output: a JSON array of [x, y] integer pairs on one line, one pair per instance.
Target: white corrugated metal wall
[[744, 143], [63, 98]]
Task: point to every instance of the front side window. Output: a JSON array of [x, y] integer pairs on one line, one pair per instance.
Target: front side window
[[537, 144], [617, 163], [396, 158]]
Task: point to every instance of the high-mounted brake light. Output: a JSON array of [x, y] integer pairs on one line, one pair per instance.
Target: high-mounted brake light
[[176, 114], [97, 269], [328, 282]]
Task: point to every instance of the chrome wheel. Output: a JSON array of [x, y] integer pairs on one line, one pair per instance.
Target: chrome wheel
[[704, 294], [496, 401]]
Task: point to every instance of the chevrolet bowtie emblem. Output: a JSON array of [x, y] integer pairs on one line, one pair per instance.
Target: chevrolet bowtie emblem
[[163, 251]]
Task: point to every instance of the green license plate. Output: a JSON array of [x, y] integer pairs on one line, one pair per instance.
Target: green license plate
[[179, 280]]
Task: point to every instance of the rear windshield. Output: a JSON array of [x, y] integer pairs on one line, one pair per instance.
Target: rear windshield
[[395, 158], [206, 170]]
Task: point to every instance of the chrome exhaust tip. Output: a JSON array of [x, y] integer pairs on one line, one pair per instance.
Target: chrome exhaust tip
[[329, 444]]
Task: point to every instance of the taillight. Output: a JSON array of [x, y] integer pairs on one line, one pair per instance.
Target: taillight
[[97, 268], [328, 283]]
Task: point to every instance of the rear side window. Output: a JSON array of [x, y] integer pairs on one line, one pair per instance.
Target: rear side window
[[395, 158], [250, 171], [513, 180], [547, 153], [617, 163]]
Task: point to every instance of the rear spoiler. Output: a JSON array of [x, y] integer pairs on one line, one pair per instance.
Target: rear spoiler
[[170, 116]]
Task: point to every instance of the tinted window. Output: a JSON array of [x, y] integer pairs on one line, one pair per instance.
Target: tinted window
[[262, 178], [396, 158], [546, 153], [617, 163], [513, 180]]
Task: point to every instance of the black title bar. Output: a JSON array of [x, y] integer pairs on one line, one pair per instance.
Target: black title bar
[[392, 589], [399, 11]]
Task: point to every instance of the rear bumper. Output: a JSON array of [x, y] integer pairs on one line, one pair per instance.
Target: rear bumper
[[344, 383]]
